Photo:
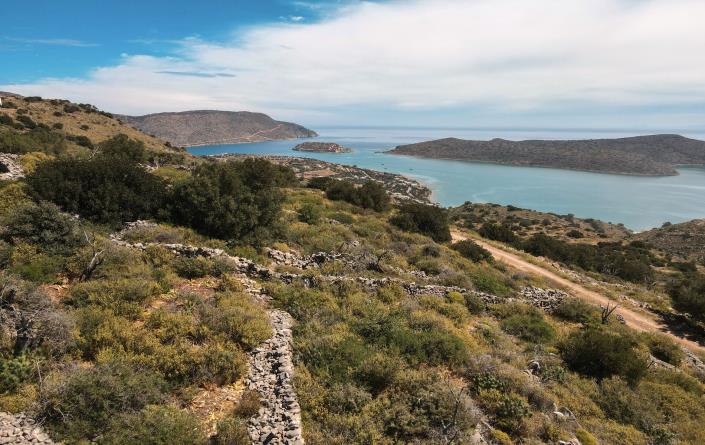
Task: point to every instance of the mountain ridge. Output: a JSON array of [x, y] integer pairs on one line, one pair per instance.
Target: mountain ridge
[[206, 127]]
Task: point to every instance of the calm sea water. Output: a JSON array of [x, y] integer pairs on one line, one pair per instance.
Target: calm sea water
[[637, 202]]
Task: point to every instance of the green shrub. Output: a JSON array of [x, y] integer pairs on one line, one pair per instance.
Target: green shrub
[[320, 183], [154, 425], [83, 141], [497, 232], [371, 195], [237, 318], [125, 296], [233, 200], [83, 401], [14, 371], [26, 121], [310, 213], [248, 405], [425, 219], [576, 310], [198, 267], [688, 294], [6, 119], [663, 348], [99, 189], [530, 327], [598, 353], [232, 431], [472, 251], [222, 364], [35, 140], [585, 437], [43, 225]]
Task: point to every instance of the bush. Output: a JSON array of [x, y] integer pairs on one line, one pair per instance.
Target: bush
[[99, 189], [198, 267], [577, 311], [310, 213], [233, 200], [530, 326], [35, 140], [472, 251], [14, 371], [425, 219], [575, 234], [497, 232], [601, 354], [320, 183], [371, 195], [81, 140], [26, 121], [237, 319], [688, 294], [663, 348], [119, 148], [154, 425], [82, 402], [6, 119], [232, 431], [43, 225]]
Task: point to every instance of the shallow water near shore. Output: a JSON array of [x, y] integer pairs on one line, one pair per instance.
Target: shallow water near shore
[[636, 201]]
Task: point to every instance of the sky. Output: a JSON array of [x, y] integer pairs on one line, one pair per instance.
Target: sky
[[622, 64]]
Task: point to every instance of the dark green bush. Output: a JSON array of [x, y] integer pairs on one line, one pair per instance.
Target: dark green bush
[[99, 189], [497, 232], [425, 219], [472, 251], [120, 148], [44, 225], [198, 267], [86, 399], [310, 213], [371, 195], [14, 371], [81, 140], [155, 425], [6, 119], [231, 431], [320, 183], [688, 294], [233, 200], [599, 353], [26, 121]]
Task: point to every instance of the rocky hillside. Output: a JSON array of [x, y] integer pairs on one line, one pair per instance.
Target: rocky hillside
[[76, 124], [207, 127], [685, 240], [655, 155]]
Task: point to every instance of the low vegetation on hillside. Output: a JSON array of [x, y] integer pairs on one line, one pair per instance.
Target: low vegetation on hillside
[[113, 344]]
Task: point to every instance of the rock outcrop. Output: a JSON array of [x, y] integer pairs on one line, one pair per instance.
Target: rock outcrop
[[10, 168], [21, 430]]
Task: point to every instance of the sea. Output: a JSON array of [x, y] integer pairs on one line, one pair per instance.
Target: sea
[[638, 202]]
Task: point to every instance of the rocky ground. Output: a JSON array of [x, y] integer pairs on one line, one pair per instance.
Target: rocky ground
[[399, 187], [10, 168], [21, 430]]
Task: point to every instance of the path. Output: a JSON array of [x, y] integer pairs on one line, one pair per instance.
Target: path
[[635, 320]]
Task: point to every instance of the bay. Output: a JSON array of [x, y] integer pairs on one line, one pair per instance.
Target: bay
[[637, 202]]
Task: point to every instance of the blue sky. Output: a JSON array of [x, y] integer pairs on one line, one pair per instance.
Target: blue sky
[[464, 63]]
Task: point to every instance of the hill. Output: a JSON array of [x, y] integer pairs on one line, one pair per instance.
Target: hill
[[685, 240], [655, 155], [207, 127], [76, 125]]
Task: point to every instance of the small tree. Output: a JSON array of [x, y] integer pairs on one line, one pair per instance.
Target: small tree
[[425, 219]]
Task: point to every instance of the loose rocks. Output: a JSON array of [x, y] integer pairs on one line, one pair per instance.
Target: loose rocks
[[20, 429]]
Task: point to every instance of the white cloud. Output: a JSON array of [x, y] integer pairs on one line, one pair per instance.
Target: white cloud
[[510, 56]]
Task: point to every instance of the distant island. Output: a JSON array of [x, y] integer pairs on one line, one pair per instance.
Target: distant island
[[322, 147], [655, 155], [208, 127]]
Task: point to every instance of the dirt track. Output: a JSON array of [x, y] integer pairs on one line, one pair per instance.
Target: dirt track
[[635, 320]]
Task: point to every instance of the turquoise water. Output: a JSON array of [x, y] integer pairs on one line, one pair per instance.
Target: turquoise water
[[637, 202]]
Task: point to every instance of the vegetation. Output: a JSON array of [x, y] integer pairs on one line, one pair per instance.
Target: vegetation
[[425, 219], [472, 251]]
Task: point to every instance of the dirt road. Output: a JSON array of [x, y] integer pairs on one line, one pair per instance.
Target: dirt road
[[635, 320]]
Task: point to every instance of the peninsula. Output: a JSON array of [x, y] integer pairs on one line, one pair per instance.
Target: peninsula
[[655, 155]]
